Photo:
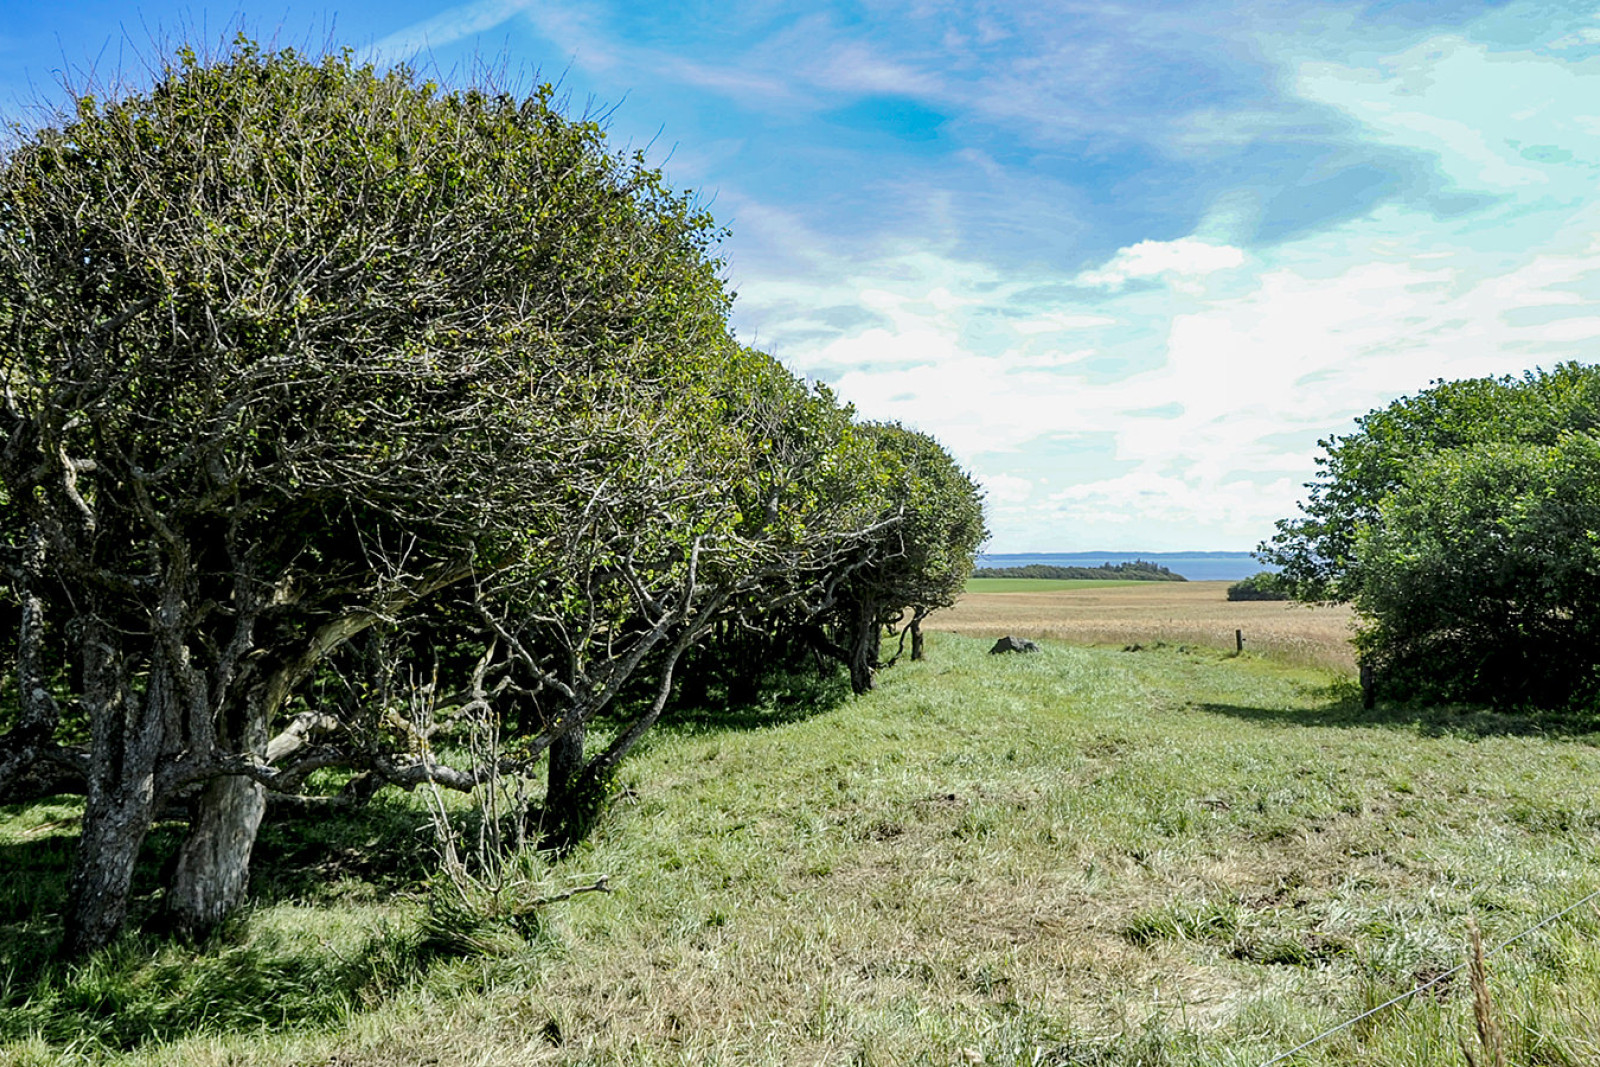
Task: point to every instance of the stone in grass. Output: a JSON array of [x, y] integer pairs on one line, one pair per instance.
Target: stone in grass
[[1013, 644]]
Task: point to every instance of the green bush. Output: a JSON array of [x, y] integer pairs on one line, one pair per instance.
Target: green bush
[[1264, 586], [1461, 524]]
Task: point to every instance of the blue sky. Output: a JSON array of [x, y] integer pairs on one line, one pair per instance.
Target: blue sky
[[1128, 261]]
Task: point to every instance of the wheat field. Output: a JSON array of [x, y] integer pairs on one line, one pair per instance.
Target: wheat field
[[1176, 613]]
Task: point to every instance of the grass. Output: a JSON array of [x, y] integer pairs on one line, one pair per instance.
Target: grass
[[1083, 856], [1144, 613]]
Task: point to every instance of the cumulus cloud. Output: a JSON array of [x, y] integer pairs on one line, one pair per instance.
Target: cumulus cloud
[[1007, 488], [1208, 404], [1183, 259]]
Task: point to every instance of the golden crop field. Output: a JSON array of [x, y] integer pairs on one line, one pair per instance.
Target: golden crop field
[[1180, 613]]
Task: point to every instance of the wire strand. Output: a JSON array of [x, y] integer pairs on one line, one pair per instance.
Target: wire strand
[[1436, 979]]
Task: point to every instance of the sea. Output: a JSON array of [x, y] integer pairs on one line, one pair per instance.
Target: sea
[[1195, 566]]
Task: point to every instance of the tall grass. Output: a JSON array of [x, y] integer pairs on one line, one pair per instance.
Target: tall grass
[[1081, 856]]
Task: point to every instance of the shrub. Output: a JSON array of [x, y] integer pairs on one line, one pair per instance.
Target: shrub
[[1266, 585]]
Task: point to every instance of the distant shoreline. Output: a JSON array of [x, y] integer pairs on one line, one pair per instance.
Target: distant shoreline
[[1118, 555], [1198, 566]]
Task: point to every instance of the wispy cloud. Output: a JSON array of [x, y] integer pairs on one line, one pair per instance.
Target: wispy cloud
[[1140, 258], [448, 27]]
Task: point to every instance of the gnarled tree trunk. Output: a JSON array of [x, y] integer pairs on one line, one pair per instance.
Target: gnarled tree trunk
[[564, 817], [116, 820], [213, 867], [121, 800], [865, 634]]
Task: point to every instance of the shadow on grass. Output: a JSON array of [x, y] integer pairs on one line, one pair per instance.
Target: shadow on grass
[[146, 988], [33, 893], [141, 990], [381, 848], [255, 974], [1343, 708], [783, 698]]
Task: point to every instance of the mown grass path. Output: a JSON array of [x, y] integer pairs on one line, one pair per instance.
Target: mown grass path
[[1079, 856]]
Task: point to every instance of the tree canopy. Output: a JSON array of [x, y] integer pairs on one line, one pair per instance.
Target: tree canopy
[[326, 386], [1462, 524]]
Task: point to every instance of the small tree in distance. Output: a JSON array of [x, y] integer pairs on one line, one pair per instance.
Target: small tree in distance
[[918, 564], [1263, 586]]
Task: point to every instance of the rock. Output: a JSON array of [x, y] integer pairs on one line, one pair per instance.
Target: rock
[[1013, 644]]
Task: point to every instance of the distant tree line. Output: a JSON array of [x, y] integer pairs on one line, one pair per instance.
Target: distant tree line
[[346, 413], [1463, 524], [1139, 570]]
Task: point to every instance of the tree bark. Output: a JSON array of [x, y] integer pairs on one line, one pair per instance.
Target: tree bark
[[126, 735], [563, 800], [212, 871], [115, 823], [916, 639], [213, 868], [596, 770], [865, 634]]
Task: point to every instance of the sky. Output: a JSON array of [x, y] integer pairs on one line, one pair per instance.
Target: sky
[[1129, 262]]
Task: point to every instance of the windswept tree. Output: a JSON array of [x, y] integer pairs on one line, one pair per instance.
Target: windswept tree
[[932, 526], [339, 405], [750, 527], [291, 349]]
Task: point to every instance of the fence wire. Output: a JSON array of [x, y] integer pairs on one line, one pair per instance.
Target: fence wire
[[1435, 980]]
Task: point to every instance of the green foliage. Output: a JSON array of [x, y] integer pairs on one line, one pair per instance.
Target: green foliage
[[1482, 575], [322, 377], [931, 549], [920, 554], [1266, 585], [1461, 523]]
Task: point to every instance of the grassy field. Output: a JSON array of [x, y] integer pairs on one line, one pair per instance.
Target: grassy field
[[1083, 856], [1176, 613]]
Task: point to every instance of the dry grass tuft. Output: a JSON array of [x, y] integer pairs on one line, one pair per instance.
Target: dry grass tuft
[[1490, 1038]]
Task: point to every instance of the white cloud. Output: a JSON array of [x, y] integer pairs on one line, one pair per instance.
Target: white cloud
[[1586, 37], [1007, 488], [450, 26], [1483, 114], [853, 67], [1058, 322], [1203, 407], [1179, 260]]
